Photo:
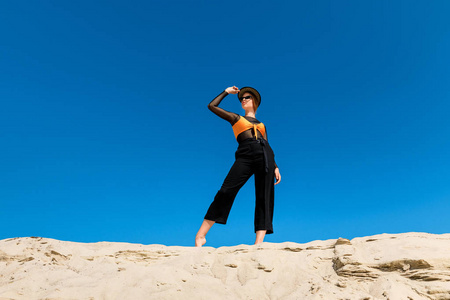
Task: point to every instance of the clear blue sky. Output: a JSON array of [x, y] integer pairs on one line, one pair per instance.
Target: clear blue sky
[[106, 136]]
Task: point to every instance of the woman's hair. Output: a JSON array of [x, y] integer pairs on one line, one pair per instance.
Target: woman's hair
[[255, 106]]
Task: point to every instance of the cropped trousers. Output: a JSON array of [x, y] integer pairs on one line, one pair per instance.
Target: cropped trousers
[[253, 157]]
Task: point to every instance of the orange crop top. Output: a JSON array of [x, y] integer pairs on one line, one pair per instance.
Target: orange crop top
[[243, 124]]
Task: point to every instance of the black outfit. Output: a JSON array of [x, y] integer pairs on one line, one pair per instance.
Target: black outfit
[[253, 156]]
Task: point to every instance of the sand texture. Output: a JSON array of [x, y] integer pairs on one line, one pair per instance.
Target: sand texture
[[386, 266]]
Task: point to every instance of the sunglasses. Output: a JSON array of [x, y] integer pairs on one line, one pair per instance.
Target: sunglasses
[[245, 98]]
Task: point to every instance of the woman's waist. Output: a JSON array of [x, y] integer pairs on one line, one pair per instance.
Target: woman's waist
[[253, 141]]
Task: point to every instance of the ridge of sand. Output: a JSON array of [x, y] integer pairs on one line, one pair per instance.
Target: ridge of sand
[[385, 266]]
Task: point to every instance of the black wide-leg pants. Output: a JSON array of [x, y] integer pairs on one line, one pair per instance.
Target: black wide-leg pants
[[253, 157]]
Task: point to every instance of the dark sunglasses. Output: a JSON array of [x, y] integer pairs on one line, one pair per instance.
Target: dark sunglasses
[[245, 98]]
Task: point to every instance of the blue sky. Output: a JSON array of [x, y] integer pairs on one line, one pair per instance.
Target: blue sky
[[105, 133]]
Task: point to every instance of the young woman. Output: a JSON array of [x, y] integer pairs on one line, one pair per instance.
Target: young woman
[[253, 156]]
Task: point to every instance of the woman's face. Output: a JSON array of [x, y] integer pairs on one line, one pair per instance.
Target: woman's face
[[247, 104]]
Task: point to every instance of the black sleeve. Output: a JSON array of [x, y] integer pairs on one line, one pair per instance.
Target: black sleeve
[[268, 140], [214, 107]]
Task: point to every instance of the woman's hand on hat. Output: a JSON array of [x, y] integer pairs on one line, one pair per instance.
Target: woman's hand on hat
[[232, 90]]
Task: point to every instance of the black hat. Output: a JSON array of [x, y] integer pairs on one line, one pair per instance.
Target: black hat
[[248, 89]]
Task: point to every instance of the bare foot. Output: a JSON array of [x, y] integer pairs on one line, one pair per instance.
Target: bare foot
[[200, 241]]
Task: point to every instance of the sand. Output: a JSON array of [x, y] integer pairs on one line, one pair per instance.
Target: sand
[[386, 266]]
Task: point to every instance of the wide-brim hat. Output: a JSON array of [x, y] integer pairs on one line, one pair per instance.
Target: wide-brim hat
[[251, 90]]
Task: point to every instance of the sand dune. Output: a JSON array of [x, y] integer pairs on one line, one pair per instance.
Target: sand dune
[[386, 266]]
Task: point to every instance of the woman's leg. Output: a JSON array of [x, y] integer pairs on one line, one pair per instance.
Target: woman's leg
[[220, 208], [260, 234], [264, 192], [238, 175], [200, 239]]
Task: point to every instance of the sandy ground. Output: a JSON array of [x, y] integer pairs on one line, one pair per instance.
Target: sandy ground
[[386, 266]]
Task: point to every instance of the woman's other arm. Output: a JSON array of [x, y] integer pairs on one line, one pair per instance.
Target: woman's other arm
[[277, 171], [214, 105]]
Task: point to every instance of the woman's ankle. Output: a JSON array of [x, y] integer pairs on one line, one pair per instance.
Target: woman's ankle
[[200, 240]]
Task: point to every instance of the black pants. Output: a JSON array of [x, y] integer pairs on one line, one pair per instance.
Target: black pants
[[252, 157]]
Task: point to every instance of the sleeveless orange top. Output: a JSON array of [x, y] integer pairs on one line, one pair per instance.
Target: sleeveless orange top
[[243, 124]]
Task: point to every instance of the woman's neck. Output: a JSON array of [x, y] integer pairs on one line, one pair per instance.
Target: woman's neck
[[250, 114]]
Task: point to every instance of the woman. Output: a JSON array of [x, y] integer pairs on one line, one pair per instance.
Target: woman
[[253, 156]]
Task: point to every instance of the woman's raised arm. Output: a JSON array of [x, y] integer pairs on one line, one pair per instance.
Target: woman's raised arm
[[214, 106]]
